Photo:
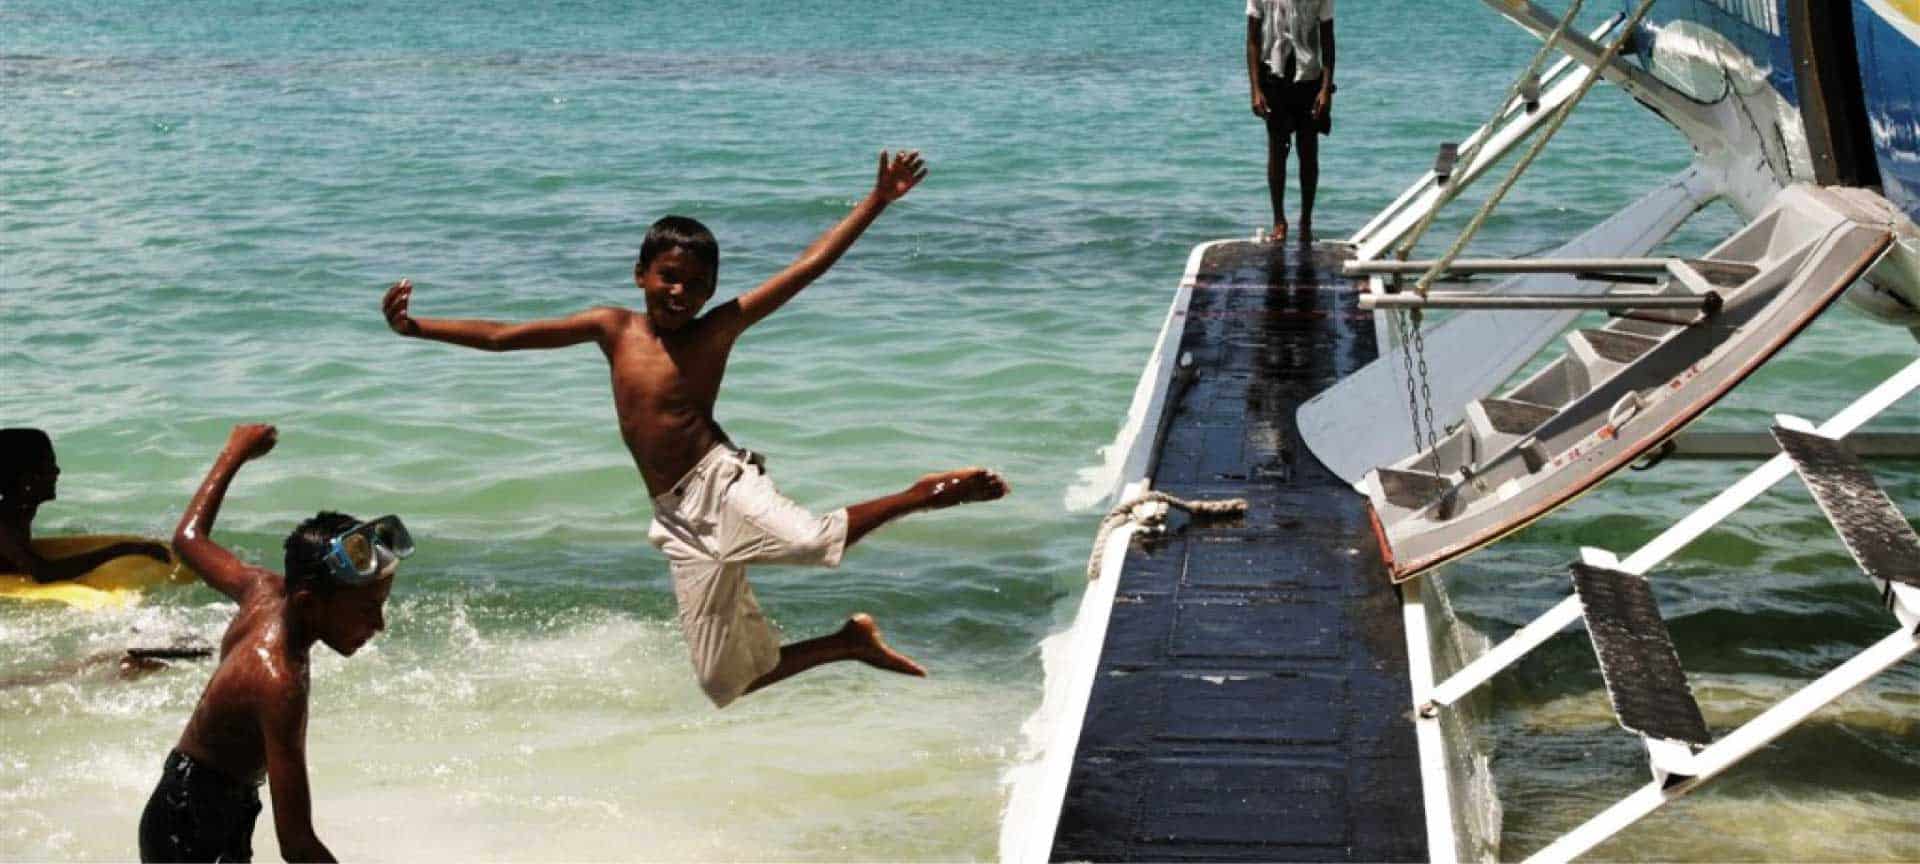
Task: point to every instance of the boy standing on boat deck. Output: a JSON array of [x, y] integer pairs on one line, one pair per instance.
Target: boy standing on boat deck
[[715, 510], [252, 718], [1290, 68]]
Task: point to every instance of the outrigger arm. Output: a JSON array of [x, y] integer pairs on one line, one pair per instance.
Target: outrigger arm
[[1660, 706], [1472, 353], [1684, 113]]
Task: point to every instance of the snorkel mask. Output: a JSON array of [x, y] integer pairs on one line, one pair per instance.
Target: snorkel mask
[[356, 555]]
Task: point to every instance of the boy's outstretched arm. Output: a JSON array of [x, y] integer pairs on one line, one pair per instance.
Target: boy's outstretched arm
[[898, 175], [193, 539], [595, 325], [283, 728]]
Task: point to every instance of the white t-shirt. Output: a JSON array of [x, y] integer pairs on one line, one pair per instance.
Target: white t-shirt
[[1291, 27]]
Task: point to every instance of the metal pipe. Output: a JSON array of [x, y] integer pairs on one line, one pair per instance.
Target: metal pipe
[[1458, 300], [1512, 265], [1895, 446]]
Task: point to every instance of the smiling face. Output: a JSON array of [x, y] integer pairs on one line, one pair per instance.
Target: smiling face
[[676, 283]]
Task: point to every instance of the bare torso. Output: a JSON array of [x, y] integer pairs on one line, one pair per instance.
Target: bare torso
[[16, 532], [256, 669], [664, 387]]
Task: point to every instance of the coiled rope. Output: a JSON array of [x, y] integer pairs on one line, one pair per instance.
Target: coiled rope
[[1149, 511]]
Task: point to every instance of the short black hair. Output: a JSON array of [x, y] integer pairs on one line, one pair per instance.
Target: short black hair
[[307, 550], [22, 448], [680, 232]]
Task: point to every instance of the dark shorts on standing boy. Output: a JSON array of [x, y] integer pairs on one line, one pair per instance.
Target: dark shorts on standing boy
[[198, 814]]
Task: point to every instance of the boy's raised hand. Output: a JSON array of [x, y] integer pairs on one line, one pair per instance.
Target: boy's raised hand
[[898, 175], [395, 307], [251, 441]]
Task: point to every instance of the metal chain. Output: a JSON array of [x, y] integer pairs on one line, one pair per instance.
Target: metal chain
[[1402, 321], [1426, 392]]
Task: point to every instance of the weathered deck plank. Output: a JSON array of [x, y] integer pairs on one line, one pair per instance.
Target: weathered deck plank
[[1252, 699]]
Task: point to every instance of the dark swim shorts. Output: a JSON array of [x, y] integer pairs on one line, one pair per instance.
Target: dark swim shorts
[[1289, 102], [198, 814]]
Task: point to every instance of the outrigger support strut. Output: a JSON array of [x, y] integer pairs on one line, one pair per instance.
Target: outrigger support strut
[[1458, 165], [1735, 270], [1678, 536], [1738, 745], [1639, 83], [1643, 678]]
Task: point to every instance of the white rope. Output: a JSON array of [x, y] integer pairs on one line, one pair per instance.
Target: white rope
[[1149, 511]]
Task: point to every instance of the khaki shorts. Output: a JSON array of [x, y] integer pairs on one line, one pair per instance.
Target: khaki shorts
[[723, 515]]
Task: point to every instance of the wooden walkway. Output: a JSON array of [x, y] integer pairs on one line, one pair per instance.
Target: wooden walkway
[[1252, 701]]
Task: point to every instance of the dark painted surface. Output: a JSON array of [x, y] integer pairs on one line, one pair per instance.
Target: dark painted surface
[[1645, 682], [1871, 526], [1252, 701]]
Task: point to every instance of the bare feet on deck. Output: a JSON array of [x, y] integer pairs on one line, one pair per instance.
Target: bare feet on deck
[[1279, 231], [863, 637], [964, 486]]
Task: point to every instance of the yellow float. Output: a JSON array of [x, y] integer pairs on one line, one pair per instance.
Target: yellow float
[[118, 582]]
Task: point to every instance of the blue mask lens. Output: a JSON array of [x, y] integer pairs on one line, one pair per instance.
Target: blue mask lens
[[356, 555]]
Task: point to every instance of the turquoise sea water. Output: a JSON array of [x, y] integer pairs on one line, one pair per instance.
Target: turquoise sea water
[[201, 204]]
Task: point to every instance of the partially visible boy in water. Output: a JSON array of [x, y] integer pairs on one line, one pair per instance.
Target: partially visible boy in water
[[251, 721], [128, 665], [28, 475], [715, 510]]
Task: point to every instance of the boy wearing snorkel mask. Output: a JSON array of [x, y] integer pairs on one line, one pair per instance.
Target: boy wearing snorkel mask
[[715, 510], [251, 722]]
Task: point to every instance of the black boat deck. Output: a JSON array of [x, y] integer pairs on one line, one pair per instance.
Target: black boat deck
[[1252, 700]]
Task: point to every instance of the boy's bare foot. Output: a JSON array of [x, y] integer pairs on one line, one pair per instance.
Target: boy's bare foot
[[1306, 231], [964, 486], [1279, 231], [869, 648]]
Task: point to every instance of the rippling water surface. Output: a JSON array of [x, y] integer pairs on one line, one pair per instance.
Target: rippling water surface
[[200, 205]]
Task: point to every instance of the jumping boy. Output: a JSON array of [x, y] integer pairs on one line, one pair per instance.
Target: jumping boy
[[252, 718], [715, 510]]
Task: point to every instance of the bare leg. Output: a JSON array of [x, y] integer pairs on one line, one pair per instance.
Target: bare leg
[[931, 492], [1277, 179], [859, 639], [1308, 139]]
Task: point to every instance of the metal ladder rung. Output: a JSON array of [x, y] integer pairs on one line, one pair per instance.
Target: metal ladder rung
[[1617, 347], [1412, 489], [1869, 524], [1725, 274], [1642, 671], [1513, 416]]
